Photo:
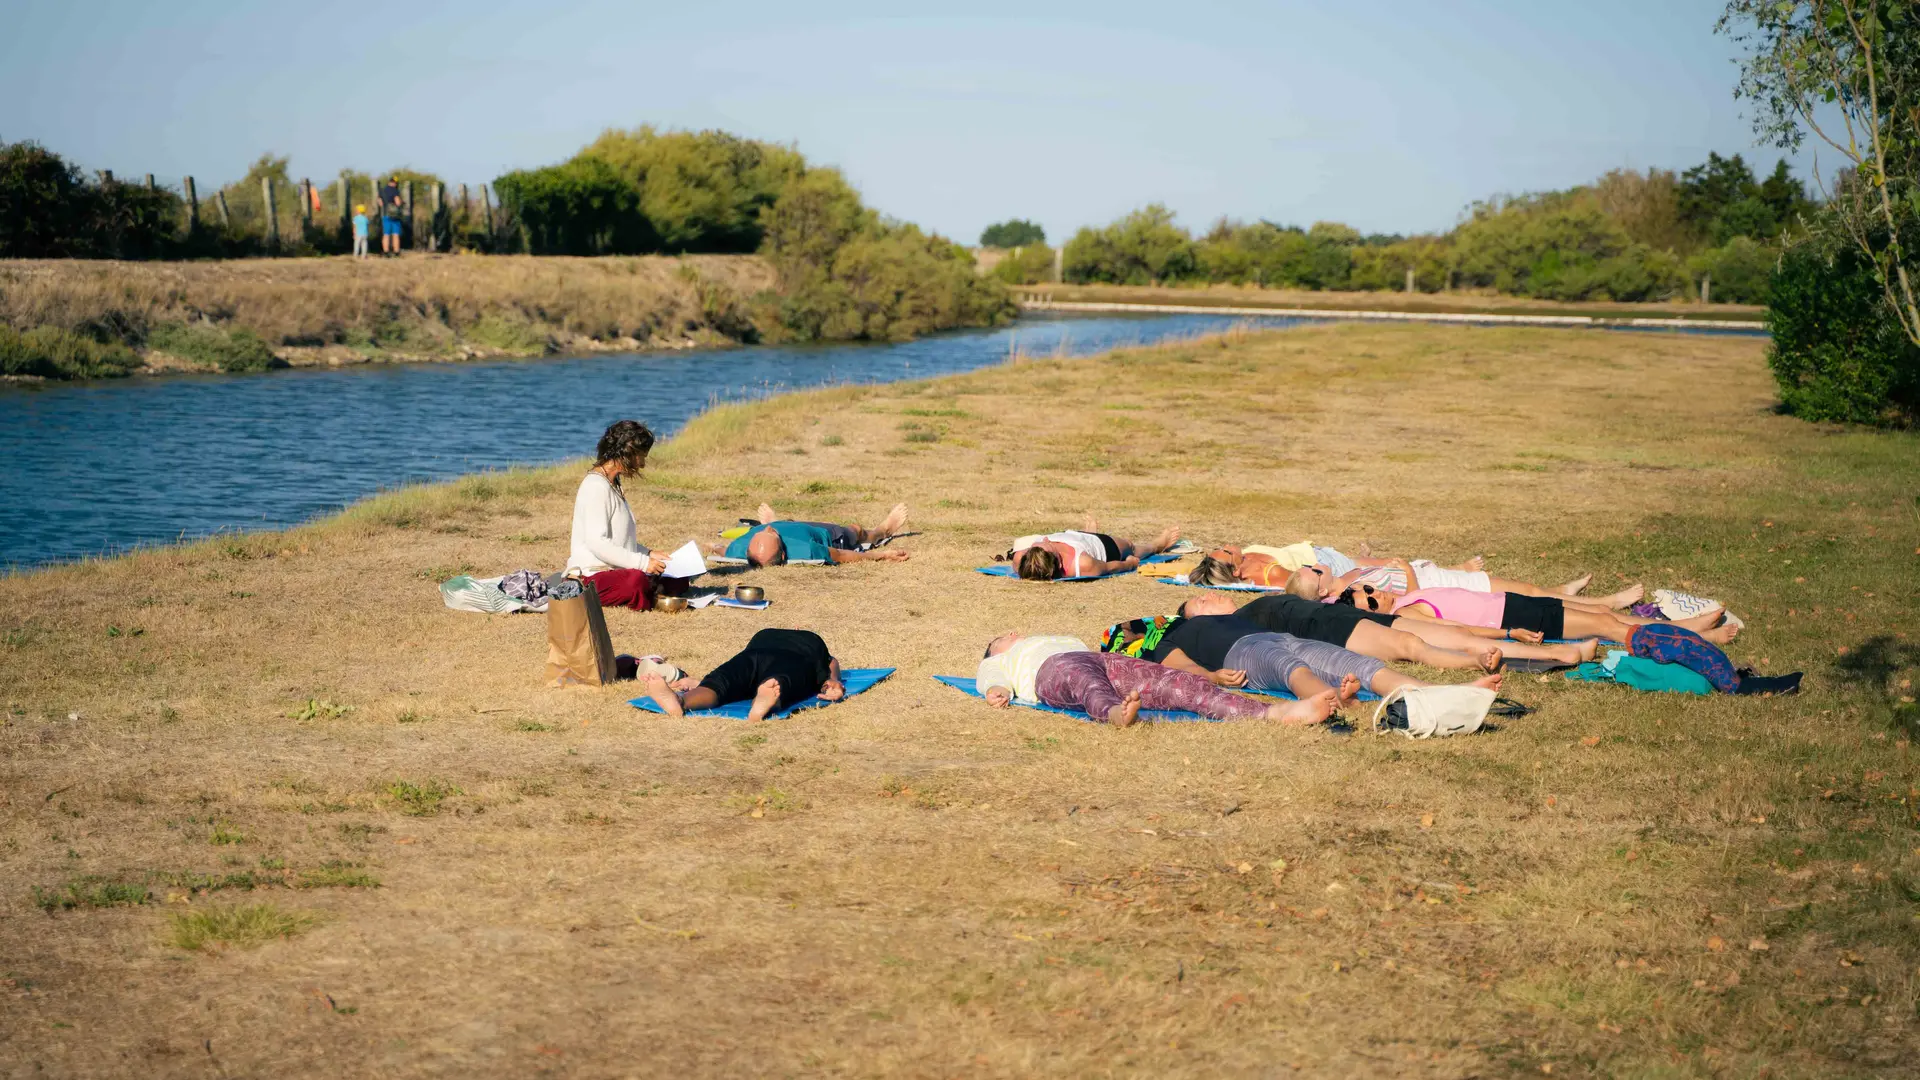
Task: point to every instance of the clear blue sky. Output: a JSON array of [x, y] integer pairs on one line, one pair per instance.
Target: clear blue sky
[[1391, 115]]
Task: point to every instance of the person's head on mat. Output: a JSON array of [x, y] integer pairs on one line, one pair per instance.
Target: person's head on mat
[[766, 549], [1212, 604], [1216, 568], [1308, 582], [1368, 598], [1001, 644], [1038, 564]]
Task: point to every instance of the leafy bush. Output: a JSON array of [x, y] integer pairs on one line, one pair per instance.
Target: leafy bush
[[1838, 352], [231, 351], [1143, 248], [1027, 265], [1739, 271], [53, 353], [48, 211], [1014, 233]]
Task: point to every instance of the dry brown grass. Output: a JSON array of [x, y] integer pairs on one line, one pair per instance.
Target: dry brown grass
[[913, 884], [416, 307], [1461, 301]]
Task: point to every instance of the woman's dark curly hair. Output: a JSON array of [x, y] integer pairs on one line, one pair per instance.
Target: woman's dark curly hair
[[628, 442]]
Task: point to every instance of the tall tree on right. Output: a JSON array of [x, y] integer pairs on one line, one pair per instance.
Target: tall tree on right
[[1846, 72]]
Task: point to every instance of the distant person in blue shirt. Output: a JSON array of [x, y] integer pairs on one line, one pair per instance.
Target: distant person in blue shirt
[[774, 541], [360, 232]]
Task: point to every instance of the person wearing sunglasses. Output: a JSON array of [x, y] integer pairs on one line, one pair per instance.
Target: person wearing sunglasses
[[1336, 571], [1552, 617], [1385, 636]]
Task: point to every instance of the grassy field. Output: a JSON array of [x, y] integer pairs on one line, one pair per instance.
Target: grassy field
[[418, 307], [1448, 302], [268, 807]]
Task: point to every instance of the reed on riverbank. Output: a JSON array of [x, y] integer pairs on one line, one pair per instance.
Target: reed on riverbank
[[418, 307], [911, 883]]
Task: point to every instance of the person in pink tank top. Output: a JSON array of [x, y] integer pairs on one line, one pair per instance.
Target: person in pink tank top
[[1455, 605], [1527, 618]]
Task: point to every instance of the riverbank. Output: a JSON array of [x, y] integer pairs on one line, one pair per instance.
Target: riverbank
[[1448, 303], [184, 316], [503, 878]]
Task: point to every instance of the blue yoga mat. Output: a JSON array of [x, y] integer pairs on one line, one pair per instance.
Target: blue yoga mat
[[857, 681], [1010, 572], [1185, 584]]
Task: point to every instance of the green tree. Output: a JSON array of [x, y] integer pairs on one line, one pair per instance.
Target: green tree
[[1013, 233], [1145, 247], [1848, 73]]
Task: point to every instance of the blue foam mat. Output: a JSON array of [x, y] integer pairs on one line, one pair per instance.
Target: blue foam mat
[[1010, 572], [1185, 584], [857, 681]]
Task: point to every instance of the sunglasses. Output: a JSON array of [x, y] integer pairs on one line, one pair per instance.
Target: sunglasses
[[1371, 600]]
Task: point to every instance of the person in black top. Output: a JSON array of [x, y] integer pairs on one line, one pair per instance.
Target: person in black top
[[1389, 637], [390, 210], [1234, 652], [777, 669]]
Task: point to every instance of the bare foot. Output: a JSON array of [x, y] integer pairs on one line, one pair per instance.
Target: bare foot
[[1722, 634], [764, 699], [1087, 523], [896, 519], [1572, 588], [766, 514], [1700, 624], [1477, 563], [1491, 682], [1313, 710], [1349, 688], [1125, 713], [1589, 648], [1491, 660], [662, 695], [1365, 550], [1167, 538], [1626, 597]]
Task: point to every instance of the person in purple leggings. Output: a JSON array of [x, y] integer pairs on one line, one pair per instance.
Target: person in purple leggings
[[1063, 672]]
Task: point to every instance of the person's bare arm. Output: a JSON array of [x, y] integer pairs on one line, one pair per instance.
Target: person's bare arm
[[842, 556], [1180, 661], [1101, 568]]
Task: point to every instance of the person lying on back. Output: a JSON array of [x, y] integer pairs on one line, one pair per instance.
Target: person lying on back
[[1082, 553], [778, 669], [1276, 567], [775, 541], [1385, 636]]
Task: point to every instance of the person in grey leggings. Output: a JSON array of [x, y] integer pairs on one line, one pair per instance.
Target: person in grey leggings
[[1236, 652]]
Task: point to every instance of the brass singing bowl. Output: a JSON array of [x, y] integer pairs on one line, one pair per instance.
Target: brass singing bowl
[[752, 594], [670, 603]]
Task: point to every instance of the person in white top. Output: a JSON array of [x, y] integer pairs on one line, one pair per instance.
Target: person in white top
[[604, 548], [1076, 553], [1063, 672]]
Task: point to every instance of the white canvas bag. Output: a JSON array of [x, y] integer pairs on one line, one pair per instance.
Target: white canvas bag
[[1438, 710]]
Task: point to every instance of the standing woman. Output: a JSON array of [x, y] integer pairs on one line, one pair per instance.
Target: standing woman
[[605, 551]]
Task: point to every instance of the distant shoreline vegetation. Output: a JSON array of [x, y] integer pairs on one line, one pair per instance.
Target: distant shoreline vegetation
[[840, 271]]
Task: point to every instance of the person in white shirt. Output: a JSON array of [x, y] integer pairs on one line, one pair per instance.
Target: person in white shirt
[[1063, 672], [605, 550], [1082, 553]]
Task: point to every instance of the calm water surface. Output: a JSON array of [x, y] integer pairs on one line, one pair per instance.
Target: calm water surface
[[92, 469]]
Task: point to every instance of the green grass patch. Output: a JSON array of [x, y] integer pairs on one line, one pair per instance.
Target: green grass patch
[[231, 351], [52, 353], [319, 709], [422, 799], [506, 334], [240, 926], [90, 892], [335, 874]]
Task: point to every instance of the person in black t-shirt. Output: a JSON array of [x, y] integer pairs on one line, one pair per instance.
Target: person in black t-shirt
[[1234, 651], [777, 669], [390, 211]]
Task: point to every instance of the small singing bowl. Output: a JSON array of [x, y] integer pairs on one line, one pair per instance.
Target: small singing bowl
[[752, 594], [670, 603]]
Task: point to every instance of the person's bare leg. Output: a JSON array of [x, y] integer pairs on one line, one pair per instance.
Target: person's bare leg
[[1473, 565], [1308, 710], [1616, 628], [1623, 598], [764, 699], [1607, 603], [1168, 537], [1125, 713], [663, 695], [1456, 639], [1394, 644]]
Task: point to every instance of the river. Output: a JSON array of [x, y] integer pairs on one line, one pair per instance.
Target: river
[[98, 468]]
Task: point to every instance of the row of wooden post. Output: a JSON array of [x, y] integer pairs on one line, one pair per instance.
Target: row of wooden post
[[307, 189]]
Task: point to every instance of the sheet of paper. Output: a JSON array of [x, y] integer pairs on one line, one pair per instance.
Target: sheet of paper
[[685, 563]]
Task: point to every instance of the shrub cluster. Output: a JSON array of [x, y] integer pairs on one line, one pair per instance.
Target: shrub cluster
[[1838, 352], [53, 353], [48, 211]]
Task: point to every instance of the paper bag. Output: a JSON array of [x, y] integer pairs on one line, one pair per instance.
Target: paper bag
[[579, 651]]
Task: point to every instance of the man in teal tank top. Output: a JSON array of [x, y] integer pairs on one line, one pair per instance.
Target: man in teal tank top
[[774, 541]]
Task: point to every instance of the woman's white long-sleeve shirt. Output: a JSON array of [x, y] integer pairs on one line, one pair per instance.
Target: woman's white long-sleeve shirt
[[603, 530]]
